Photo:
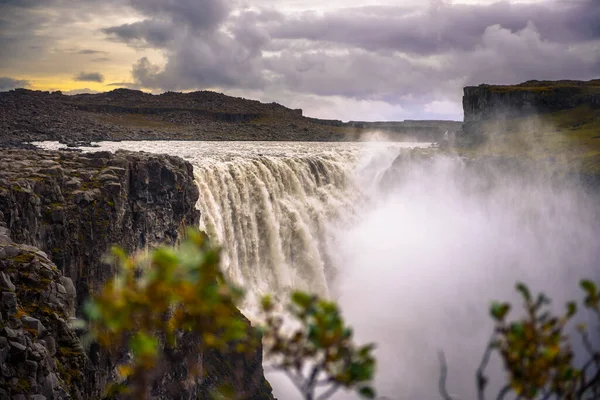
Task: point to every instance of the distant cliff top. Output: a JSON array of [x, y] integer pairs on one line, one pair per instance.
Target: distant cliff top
[[544, 86], [485, 102], [550, 120], [201, 100], [124, 114]]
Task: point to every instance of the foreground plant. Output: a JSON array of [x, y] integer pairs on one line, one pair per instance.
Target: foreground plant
[[319, 353], [172, 305], [154, 299], [537, 352]]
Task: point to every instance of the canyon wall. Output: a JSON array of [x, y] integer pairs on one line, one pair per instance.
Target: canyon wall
[[486, 103], [59, 214]]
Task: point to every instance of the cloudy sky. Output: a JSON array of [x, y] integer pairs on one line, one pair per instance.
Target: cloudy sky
[[342, 59]]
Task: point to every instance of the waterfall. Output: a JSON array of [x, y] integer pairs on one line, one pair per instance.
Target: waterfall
[[277, 208], [275, 216]]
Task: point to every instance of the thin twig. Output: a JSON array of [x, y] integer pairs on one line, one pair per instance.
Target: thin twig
[[310, 384], [294, 379], [329, 392], [481, 378], [443, 376], [593, 382], [503, 392]]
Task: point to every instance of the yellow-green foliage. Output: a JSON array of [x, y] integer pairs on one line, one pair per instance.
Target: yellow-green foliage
[[322, 343], [537, 352], [154, 296], [158, 294]]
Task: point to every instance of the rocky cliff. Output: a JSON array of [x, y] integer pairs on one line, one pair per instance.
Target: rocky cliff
[[41, 357], [72, 207], [124, 114], [553, 123], [488, 102]]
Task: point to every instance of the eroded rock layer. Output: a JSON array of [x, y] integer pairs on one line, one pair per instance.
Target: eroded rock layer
[[59, 214]]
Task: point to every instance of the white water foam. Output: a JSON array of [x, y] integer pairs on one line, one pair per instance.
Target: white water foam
[[413, 264]]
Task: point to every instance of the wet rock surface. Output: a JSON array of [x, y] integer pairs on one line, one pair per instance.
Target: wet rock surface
[[60, 212], [75, 206], [40, 355]]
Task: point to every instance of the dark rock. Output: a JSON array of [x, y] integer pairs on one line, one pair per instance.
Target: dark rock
[[6, 370], [35, 324], [489, 103], [17, 348], [10, 251], [9, 302], [4, 353], [147, 201], [10, 333], [5, 283], [50, 345], [32, 367]]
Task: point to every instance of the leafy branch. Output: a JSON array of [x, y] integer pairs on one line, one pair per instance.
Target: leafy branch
[[536, 352], [321, 344]]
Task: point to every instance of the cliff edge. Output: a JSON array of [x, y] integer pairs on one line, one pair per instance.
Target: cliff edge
[[554, 122], [60, 211]]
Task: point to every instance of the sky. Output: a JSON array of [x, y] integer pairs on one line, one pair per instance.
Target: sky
[[337, 59]]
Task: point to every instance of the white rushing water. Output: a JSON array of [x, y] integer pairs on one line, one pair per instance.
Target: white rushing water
[[276, 207], [413, 259]]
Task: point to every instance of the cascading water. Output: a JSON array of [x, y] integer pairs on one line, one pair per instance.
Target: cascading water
[[276, 214], [413, 266], [276, 207]]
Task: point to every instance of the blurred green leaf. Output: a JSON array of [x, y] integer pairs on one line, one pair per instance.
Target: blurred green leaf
[[499, 311], [367, 392], [524, 290]]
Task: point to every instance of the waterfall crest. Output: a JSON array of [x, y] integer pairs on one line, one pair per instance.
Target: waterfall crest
[[274, 217]]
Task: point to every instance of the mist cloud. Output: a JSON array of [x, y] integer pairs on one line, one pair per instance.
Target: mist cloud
[[90, 51], [7, 83], [89, 77]]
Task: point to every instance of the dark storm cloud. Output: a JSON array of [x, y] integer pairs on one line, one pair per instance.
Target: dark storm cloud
[[10, 83], [397, 54], [18, 32], [199, 52], [198, 14], [444, 27], [153, 33], [30, 29], [90, 51], [394, 54], [24, 3], [89, 77]]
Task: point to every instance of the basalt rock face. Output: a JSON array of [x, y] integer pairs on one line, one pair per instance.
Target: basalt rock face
[[485, 103], [40, 355], [73, 207]]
